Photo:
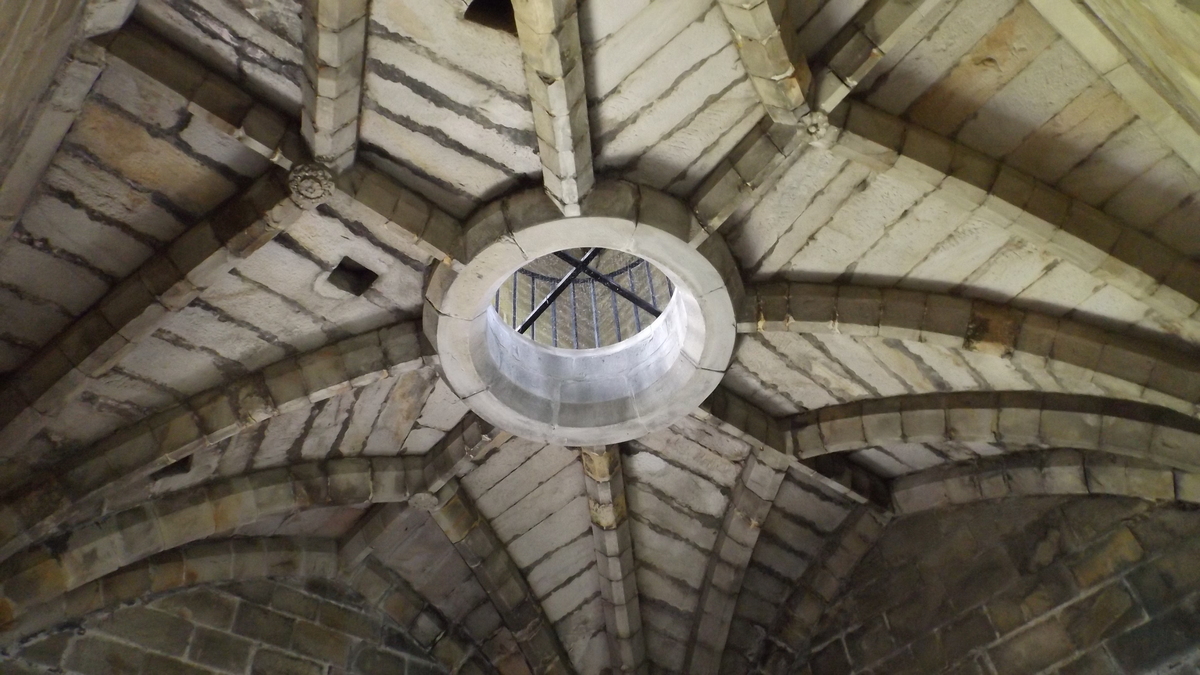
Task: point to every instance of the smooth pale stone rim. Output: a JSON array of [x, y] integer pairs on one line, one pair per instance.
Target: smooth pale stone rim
[[585, 397]]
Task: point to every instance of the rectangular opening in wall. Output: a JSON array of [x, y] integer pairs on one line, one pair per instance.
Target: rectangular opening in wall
[[177, 468], [496, 14], [352, 277]]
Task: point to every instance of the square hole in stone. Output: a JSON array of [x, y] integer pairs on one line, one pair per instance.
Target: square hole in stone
[[352, 277], [497, 14], [177, 468]]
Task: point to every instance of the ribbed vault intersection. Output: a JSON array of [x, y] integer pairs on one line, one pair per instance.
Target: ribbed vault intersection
[[613, 339]]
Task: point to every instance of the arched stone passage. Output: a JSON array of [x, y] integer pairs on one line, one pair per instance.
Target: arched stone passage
[[1013, 420]]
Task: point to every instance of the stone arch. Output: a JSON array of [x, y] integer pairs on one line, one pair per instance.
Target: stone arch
[[126, 459], [1013, 420], [291, 559], [38, 511], [1158, 362], [116, 540], [1044, 473]]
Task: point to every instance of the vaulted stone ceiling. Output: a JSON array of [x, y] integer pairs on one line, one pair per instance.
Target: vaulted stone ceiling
[[957, 431]]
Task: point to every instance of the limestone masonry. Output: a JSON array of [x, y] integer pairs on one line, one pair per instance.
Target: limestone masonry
[[599, 337]]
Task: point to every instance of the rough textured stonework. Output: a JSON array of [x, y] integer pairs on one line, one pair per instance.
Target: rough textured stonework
[[297, 628], [1056, 585], [922, 394]]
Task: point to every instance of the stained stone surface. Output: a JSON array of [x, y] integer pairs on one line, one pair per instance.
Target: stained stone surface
[[1082, 585], [259, 627]]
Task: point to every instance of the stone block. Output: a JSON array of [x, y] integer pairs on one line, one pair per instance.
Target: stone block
[[1126, 436], [286, 384], [1033, 649], [1187, 487], [1110, 556], [920, 495], [925, 424], [220, 650], [1175, 447], [184, 517], [946, 320], [350, 481], [1069, 429], [264, 625], [216, 415], [841, 428], [903, 313], [150, 628], [858, 310], [208, 561], [270, 662], [324, 373], [1156, 642], [93, 654]]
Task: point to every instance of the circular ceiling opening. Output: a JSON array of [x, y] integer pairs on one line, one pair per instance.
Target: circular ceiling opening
[[521, 342], [583, 298]]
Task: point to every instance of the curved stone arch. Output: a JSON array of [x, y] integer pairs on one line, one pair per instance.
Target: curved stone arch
[[1013, 420], [187, 566], [38, 511], [1044, 473], [1165, 364], [129, 456], [107, 543], [250, 559]]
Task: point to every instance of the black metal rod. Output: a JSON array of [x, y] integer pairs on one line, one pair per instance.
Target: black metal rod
[[612, 286], [579, 266], [574, 318], [595, 315], [513, 318], [637, 317], [650, 281], [616, 313]]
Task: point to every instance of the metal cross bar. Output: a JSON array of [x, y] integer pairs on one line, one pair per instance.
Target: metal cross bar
[[611, 285], [563, 284]]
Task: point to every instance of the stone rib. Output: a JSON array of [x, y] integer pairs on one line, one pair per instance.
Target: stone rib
[[1167, 366], [500, 577], [614, 557], [370, 196], [1011, 420], [549, 34], [751, 501], [335, 44], [64, 100], [210, 96], [1046, 472], [780, 75]]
